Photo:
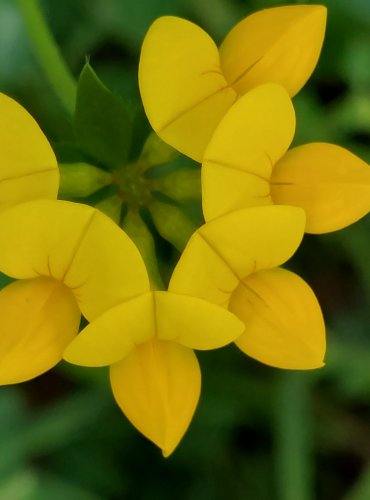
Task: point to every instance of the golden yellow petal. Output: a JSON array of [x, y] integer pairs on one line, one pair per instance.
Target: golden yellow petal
[[226, 250], [331, 184], [283, 320], [253, 135], [183, 90], [280, 45], [201, 272], [157, 386], [194, 322], [111, 336], [75, 244], [189, 321], [28, 167], [39, 317], [106, 269]]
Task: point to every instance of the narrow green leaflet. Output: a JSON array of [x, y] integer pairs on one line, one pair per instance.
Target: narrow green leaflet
[[138, 231], [171, 223], [78, 180], [181, 185], [103, 126]]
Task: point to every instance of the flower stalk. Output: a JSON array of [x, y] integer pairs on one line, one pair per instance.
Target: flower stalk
[[293, 446], [48, 54]]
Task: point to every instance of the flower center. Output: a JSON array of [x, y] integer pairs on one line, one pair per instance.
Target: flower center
[[133, 188]]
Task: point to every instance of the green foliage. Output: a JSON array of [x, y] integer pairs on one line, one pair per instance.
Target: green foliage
[[102, 123]]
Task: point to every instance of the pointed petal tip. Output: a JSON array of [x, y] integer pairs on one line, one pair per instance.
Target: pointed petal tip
[[279, 44], [157, 386], [167, 452], [284, 323]]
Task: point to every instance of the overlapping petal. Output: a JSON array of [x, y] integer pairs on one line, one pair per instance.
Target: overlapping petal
[[190, 321], [194, 322], [253, 135], [39, 317], [247, 164], [280, 45], [111, 336], [75, 244], [28, 167], [187, 85], [183, 91], [157, 386], [329, 182], [283, 320], [228, 249]]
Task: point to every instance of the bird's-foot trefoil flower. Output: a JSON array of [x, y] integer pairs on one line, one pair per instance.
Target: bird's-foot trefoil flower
[[247, 163], [28, 167], [232, 261], [148, 342], [69, 259], [187, 84]]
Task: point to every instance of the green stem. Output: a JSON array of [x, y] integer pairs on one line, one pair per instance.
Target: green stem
[[48, 53], [293, 438]]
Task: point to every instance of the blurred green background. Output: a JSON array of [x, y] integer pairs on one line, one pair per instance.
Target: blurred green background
[[258, 433]]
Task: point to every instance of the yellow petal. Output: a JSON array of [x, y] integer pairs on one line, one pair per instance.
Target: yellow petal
[[28, 168], [280, 45], [75, 244], [201, 272], [106, 269], [190, 321], [183, 90], [253, 135], [283, 320], [111, 336], [194, 322], [157, 386], [39, 318], [226, 250], [331, 184]]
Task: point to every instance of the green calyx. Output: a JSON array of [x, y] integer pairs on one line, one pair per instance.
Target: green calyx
[[133, 188]]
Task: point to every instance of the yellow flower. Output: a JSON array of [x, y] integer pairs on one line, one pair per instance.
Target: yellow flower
[[246, 163], [28, 167], [148, 342], [232, 261], [187, 84], [68, 258]]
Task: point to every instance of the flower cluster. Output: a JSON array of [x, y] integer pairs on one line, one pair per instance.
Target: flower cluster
[[230, 109]]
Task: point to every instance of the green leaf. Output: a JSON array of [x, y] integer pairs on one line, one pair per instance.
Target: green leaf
[[103, 126]]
